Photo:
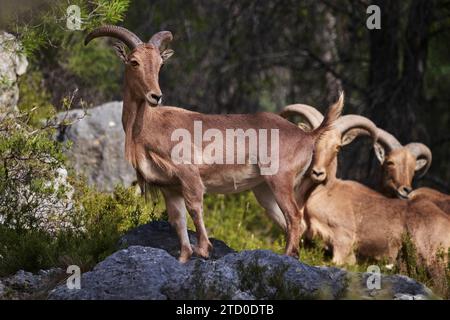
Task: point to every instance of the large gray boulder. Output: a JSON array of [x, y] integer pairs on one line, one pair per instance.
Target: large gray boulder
[[148, 273], [141, 271], [97, 151], [13, 63]]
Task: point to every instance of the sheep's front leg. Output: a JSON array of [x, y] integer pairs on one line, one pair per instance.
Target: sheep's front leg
[[193, 191], [177, 218]]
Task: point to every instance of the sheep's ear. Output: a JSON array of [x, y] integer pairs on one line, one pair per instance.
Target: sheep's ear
[[166, 54], [349, 136], [304, 126], [420, 163], [379, 152], [121, 52]]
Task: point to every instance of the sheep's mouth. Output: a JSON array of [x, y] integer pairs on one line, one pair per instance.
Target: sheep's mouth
[[402, 195], [316, 179], [152, 102]]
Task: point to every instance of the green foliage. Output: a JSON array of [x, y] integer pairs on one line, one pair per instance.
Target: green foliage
[[240, 222], [60, 54], [96, 225], [34, 94], [103, 218], [46, 223], [47, 27], [29, 165], [78, 60], [435, 276]]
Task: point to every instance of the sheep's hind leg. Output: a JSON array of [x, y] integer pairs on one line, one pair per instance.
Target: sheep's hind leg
[[193, 198], [266, 199], [282, 187]]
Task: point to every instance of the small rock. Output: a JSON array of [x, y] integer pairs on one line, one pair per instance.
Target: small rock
[[133, 273], [26, 285]]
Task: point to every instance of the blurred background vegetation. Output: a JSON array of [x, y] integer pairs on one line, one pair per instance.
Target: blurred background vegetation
[[231, 56], [249, 55]]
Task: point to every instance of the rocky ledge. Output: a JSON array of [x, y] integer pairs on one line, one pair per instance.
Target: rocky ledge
[[146, 268]]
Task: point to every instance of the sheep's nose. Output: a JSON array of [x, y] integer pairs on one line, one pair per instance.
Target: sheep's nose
[[405, 189], [158, 98], [154, 98], [318, 173]]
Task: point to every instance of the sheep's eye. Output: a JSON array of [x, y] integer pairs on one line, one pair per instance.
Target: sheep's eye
[[134, 63], [390, 163]]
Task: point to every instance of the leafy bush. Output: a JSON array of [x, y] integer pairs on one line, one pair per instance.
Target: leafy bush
[[30, 188], [59, 55], [33, 93], [100, 219], [240, 222], [46, 222]]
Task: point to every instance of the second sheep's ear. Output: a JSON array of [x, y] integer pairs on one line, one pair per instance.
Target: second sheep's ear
[[121, 52], [420, 163], [351, 135], [379, 152], [304, 126], [166, 54]]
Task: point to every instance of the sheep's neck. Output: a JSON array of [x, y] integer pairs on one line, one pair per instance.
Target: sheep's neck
[[331, 174], [131, 105]]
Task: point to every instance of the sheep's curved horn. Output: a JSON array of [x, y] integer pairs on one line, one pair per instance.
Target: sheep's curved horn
[[359, 125], [388, 141], [161, 39], [311, 114], [419, 150], [124, 35]]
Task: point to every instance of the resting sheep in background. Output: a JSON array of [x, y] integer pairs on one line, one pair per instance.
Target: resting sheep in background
[[356, 221], [400, 164]]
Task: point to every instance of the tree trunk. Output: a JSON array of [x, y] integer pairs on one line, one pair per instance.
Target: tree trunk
[[395, 82]]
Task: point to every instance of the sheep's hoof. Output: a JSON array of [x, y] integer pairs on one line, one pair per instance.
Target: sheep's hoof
[[293, 253], [185, 255], [203, 251]]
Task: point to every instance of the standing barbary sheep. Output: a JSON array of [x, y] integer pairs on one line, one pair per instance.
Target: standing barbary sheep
[[356, 221], [149, 147], [399, 165]]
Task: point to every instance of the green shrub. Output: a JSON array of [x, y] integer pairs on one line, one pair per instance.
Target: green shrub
[[30, 159], [239, 221], [43, 224], [97, 223], [34, 94]]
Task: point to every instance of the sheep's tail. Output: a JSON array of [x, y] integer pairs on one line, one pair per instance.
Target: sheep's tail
[[148, 191]]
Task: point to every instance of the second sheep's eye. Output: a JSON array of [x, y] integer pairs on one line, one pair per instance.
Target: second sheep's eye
[[134, 63]]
